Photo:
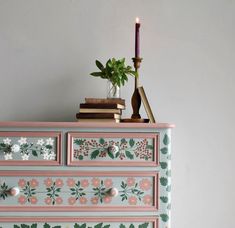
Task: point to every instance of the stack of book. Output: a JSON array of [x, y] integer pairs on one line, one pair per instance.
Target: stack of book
[[101, 110]]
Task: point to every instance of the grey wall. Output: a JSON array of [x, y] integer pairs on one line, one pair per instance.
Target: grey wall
[[48, 49]]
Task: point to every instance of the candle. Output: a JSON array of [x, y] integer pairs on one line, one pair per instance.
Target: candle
[[137, 37]]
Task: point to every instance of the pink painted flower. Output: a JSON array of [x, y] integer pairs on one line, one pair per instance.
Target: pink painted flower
[[70, 182], [95, 182], [108, 183], [22, 199], [59, 183], [84, 183], [94, 200], [21, 183], [47, 200], [48, 182], [59, 200], [72, 200], [132, 200], [33, 183], [130, 181], [33, 200], [147, 199], [145, 184], [107, 199], [83, 200]]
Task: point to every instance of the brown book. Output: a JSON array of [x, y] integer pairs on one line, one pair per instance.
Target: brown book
[[97, 110], [102, 106], [98, 116], [146, 104], [100, 120], [105, 101]]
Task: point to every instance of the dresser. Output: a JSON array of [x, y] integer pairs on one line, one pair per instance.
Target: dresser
[[85, 175]]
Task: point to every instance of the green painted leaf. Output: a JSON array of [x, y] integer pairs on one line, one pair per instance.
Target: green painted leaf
[[164, 150], [131, 142], [164, 217], [98, 225], [34, 225], [164, 199], [168, 188], [129, 154], [144, 225], [78, 142], [101, 141], [131, 226], [24, 226], [80, 157], [163, 165], [49, 147], [122, 226], [110, 154], [76, 225], [123, 141], [163, 181], [16, 226], [150, 147], [168, 173], [117, 154], [166, 140], [94, 154], [106, 226], [83, 225], [34, 153], [46, 225]]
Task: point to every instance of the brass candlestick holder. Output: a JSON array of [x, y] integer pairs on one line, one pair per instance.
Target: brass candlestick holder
[[136, 99]]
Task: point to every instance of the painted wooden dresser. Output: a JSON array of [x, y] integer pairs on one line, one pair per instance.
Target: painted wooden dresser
[[84, 175]]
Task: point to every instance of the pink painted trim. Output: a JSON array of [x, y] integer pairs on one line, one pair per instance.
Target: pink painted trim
[[58, 160], [86, 125], [155, 206], [154, 220], [72, 135]]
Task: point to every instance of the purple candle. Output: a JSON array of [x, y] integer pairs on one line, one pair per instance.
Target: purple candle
[[137, 37]]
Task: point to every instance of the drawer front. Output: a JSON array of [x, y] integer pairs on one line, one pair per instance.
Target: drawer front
[[30, 148], [112, 149], [89, 222], [78, 191]]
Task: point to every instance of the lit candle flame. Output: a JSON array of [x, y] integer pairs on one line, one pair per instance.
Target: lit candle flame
[[137, 20]]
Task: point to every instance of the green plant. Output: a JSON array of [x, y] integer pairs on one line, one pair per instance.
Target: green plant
[[114, 70]]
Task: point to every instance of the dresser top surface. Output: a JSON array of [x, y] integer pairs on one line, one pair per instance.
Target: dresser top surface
[[84, 125]]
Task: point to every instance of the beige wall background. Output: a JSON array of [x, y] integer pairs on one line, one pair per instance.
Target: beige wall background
[[48, 48]]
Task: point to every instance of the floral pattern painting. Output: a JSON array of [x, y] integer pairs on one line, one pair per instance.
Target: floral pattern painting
[[80, 191], [80, 225], [120, 149], [28, 148]]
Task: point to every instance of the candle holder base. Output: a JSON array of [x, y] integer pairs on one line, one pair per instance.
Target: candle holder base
[[130, 120]]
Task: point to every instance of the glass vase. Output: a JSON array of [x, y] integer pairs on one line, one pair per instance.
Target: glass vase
[[113, 91]]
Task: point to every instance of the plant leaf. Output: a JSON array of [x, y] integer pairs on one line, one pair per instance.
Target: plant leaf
[[99, 65]]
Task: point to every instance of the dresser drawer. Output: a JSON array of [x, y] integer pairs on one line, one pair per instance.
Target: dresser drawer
[[112, 149], [76, 222], [78, 191], [30, 148]]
